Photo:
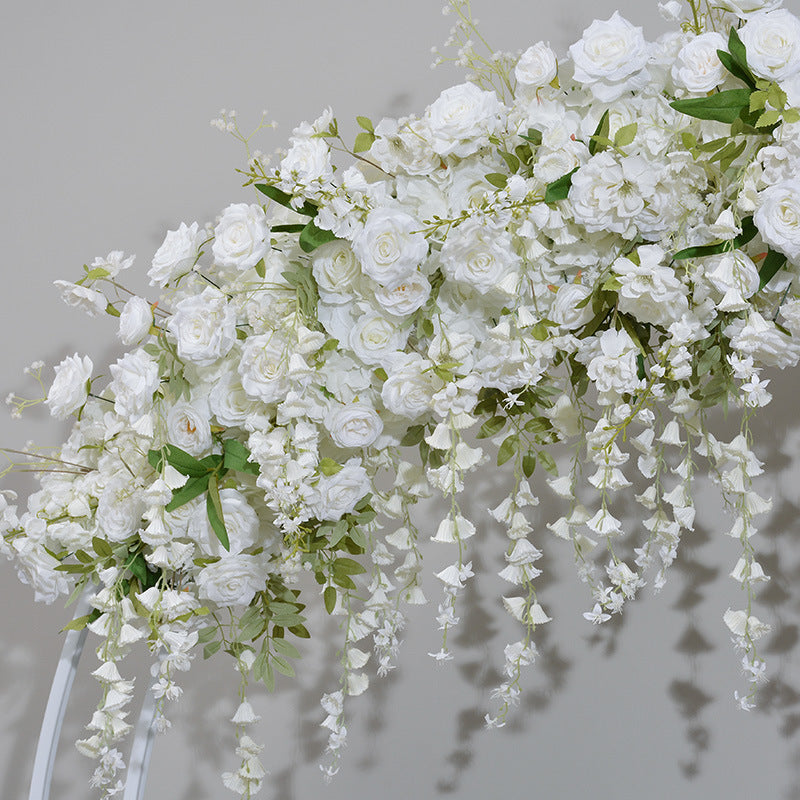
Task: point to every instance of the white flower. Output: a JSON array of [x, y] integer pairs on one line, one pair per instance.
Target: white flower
[[119, 511], [336, 270], [135, 379], [229, 402], [135, 321], [241, 524], [614, 368], [90, 301], [698, 67], [480, 254], [242, 236], [611, 58], [390, 247], [307, 163], [354, 425], [404, 298], [772, 42], [232, 581], [263, 367], [175, 256], [778, 217], [189, 427], [745, 8], [337, 495], [762, 339], [114, 263], [204, 326], [410, 387], [537, 66], [734, 275], [565, 310], [69, 391], [373, 338], [461, 118]]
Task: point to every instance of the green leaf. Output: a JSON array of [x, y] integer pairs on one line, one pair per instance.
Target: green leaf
[[508, 449], [742, 73], [749, 231], [723, 106], [512, 162], [768, 119], [640, 373], [738, 53], [205, 635], [236, 456], [414, 435], [194, 487], [214, 511], [364, 141], [625, 135], [773, 264], [548, 462], [559, 189], [366, 124], [286, 648], [528, 464], [327, 466], [347, 566], [269, 677], [491, 427], [338, 533], [102, 547], [300, 631], [77, 624], [261, 269], [600, 136], [534, 136], [379, 373], [284, 667], [497, 179], [182, 461], [312, 237], [280, 197], [329, 595], [283, 229], [138, 567], [211, 648]]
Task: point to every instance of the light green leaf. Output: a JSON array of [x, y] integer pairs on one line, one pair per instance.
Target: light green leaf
[[508, 449]]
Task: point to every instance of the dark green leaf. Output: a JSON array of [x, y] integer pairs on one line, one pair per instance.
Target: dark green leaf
[[749, 231], [491, 427], [773, 264], [236, 455], [723, 106], [300, 631], [559, 189], [497, 179], [194, 487], [280, 197], [528, 464], [640, 373], [738, 53], [286, 229], [312, 237], [600, 136], [215, 515], [182, 461], [533, 136], [742, 73], [414, 435]]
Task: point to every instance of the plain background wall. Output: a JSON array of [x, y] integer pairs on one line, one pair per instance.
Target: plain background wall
[[106, 145]]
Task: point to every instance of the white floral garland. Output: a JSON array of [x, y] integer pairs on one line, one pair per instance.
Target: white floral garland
[[592, 251]]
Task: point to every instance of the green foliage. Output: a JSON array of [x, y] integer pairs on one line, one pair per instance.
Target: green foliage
[[285, 200], [311, 237], [559, 189], [599, 140], [749, 231], [773, 264], [725, 106], [301, 279]]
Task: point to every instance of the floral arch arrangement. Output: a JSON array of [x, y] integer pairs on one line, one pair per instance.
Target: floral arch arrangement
[[559, 268]]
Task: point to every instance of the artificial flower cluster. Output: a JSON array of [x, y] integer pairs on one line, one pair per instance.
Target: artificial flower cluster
[[563, 265]]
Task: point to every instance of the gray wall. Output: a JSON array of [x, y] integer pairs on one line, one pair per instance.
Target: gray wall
[[106, 144]]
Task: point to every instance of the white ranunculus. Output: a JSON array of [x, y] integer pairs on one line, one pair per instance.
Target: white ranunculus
[[175, 256], [337, 495], [772, 41], [374, 338], [135, 379], [242, 236], [481, 255], [69, 391], [229, 402], [565, 310], [611, 58], [307, 163], [189, 427], [391, 246], [241, 524], [135, 321], [405, 297], [698, 67], [353, 425], [263, 367], [461, 118], [777, 217], [335, 269], [204, 327], [409, 389], [232, 581], [537, 66]]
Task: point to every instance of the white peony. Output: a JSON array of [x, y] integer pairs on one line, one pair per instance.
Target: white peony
[[119, 511], [611, 58], [241, 523], [537, 66], [135, 321], [405, 297], [69, 389], [390, 246], [232, 581], [175, 256], [353, 425], [204, 327], [698, 68], [337, 495], [777, 217], [189, 427], [241, 237], [461, 118], [772, 42]]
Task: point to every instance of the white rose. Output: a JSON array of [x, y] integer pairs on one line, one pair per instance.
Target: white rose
[[175, 256], [307, 162], [354, 425], [232, 581], [241, 524], [336, 270], [374, 338], [565, 309], [772, 42], [68, 391], [135, 321], [189, 427], [204, 327], [778, 217], [405, 297], [135, 378], [264, 366], [481, 255], [537, 66], [390, 246], [229, 402], [744, 8], [337, 495], [242, 236], [611, 58], [698, 67], [461, 118], [409, 389], [90, 301]]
